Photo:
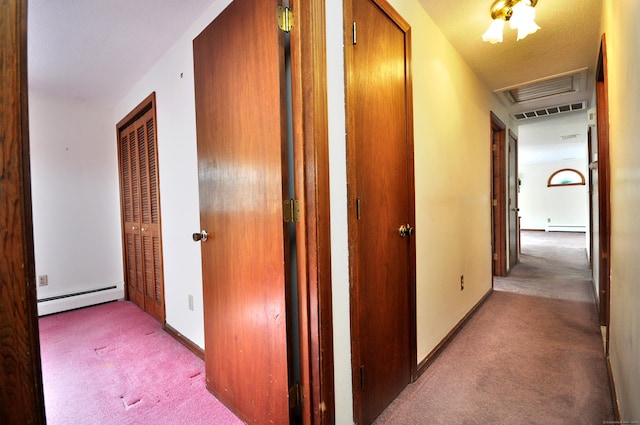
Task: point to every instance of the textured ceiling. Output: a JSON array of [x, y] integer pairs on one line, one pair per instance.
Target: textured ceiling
[[569, 39], [96, 50]]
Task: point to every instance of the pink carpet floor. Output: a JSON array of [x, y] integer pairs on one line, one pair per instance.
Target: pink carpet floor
[[113, 364]]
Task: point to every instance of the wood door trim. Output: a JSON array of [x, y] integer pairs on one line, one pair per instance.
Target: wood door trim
[[498, 212], [590, 189], [21, 396], [513, 261], [604, 195], [311, 147]]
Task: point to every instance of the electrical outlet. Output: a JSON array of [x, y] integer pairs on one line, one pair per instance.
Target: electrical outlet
[[190, 302], [43, 280], [462, 282]]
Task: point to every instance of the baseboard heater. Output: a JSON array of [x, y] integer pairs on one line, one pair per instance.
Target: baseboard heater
[[70, 301], [556, 228], [75, 294]]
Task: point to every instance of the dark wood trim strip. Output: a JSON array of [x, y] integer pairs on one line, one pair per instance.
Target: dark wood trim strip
[[308, 59], [433, 355], [21, 391], [144, 106], [184, 341], [614, 393]]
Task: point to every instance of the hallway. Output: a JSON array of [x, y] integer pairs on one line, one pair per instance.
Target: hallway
[[532, 354]]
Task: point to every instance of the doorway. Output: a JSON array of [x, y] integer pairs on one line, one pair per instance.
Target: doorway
[[259, 218], [309, 78], [512, 202], [498, 194], [381, 204]]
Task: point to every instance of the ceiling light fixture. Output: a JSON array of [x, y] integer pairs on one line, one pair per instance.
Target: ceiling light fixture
[[520, 14]]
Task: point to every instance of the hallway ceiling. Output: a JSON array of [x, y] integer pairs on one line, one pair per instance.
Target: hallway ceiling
[[96, 50], [569, 40]]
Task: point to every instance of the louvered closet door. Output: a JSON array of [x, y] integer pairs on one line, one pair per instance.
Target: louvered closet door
[[150, 217], [141, 205], [131, 215]]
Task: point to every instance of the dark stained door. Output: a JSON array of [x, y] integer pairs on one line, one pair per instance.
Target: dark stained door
[[512, 202], [239, 81], [498, 195], [21, 396], [381, 195]]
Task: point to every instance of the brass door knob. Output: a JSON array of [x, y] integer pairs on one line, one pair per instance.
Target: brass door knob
[[200, 237], [406, 230]]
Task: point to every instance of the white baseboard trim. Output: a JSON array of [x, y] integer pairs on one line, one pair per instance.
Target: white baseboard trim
[[73, 301]]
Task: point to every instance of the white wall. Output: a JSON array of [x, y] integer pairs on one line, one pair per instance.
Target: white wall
[[339, 229], [172, 80], [76, 214], [623, 52], [542, 206], [452, 153]]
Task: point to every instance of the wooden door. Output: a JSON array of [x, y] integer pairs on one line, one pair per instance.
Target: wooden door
[[240, 117], [381, 200], [140, 200], [512, 202], [604, 189], [21, 396], [498, 194]]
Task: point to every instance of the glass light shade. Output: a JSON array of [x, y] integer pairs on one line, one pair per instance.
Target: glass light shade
[[494, 34], [522, 19]]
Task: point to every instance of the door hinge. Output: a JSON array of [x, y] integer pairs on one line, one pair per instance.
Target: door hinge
[[495, 256], [285, 18], [494, 147], [291, 210], [355, 35], [358, 210], [495, 202], [361, 376], [296, 396]]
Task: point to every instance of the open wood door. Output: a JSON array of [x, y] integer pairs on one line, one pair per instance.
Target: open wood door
[[240, 115]]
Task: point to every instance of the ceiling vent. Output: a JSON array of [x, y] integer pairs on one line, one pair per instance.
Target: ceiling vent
[[553, 110], [569, 83]]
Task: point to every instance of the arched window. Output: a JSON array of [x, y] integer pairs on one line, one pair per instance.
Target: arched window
[[566, 177]]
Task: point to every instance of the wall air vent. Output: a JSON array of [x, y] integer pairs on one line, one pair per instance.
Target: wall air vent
[[544, 89], [553, 110], [563, 84]]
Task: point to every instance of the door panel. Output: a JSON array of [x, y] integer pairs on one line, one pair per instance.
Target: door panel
[[381, 200], [512, 204], [239, 80], [141, 211], [498, 195]]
